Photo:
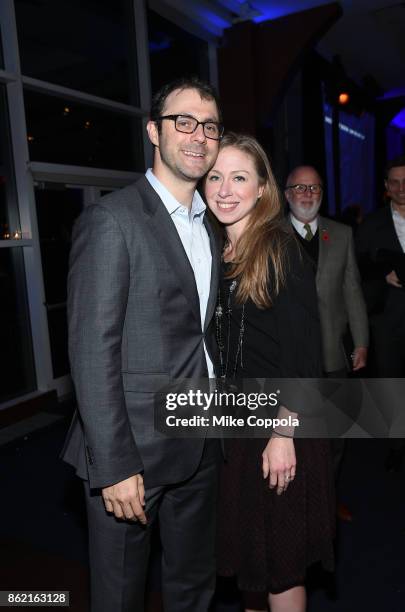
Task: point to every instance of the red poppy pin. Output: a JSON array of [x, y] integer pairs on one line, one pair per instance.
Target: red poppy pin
[[325, 235]]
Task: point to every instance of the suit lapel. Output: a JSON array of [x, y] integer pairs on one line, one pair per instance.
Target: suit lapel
[[324, 245], [168, 240], [213, 296], [389, 232]]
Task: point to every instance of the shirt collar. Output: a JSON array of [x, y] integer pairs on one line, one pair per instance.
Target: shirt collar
[[396, 215], [299, 225], [170, 202]]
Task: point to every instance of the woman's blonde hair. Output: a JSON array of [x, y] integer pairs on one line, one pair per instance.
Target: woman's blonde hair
[[263, 244]]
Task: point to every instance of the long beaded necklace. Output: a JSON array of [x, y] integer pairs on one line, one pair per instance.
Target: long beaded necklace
[[219, 315]]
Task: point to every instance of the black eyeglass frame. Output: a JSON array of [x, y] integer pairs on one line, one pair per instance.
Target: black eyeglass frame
[[203, 123], [310, 187]]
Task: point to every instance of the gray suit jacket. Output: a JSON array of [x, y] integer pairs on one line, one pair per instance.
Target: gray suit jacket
[[340, 296], [134, 326]]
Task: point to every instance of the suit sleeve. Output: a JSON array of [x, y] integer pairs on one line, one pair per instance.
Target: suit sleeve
[[98, 286], [354, 299]]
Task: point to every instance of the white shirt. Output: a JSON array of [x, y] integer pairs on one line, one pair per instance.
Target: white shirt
[[195, 240], [299, 225], [399, 224]]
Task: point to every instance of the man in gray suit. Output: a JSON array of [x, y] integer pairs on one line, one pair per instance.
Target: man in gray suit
[[142, 291], [330, 246], [340, 299]]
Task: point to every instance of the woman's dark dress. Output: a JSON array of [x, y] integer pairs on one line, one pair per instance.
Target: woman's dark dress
[[267, 540]]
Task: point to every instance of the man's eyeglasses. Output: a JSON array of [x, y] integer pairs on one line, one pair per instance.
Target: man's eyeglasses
[[188, 125], [300, 188]]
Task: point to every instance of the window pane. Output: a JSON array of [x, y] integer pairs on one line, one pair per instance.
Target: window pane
[[174, 52], [58, 337], [17, 369], [70, 133], [57, 208], [9, 217], [356, 153], [88, 45]]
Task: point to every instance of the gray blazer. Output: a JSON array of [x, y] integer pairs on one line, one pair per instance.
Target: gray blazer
[[134, 326], [340, 296]]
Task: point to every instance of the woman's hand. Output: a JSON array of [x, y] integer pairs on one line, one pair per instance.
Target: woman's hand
[[279, 462]]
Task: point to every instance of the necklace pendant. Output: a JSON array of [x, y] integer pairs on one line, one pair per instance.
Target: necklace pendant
[[219, 312]]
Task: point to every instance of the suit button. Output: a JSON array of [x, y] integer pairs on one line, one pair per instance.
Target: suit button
[[89, 455]]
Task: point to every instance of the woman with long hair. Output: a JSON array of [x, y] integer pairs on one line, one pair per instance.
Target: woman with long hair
[[277, 502]]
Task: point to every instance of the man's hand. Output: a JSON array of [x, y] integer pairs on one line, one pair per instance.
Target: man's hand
[[279, 461], [359, 358], [126, 499], [392, 279]]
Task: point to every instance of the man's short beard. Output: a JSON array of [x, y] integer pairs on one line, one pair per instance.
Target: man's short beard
[[305, 214], [182, 173]]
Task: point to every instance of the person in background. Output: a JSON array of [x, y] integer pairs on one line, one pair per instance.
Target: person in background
[[380, 245], [342, 309], [331, 249]]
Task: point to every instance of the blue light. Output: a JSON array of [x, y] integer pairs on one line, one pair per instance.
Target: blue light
[[269, 14], [281, 9], [208, 18], [399, 120], [159, 45], [393, 93]]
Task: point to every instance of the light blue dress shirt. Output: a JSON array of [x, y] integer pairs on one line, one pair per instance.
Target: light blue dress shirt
[[195, 240]]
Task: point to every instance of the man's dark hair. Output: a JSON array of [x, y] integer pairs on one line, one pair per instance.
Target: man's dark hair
[[397, 162], [206, 91]]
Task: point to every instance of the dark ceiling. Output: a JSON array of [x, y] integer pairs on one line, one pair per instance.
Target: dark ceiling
[[369, 37]]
